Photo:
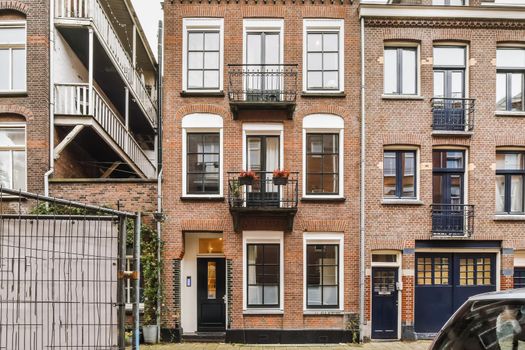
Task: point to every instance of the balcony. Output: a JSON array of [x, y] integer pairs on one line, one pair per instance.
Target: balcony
[[73, 107], [452, 220], [263, 198], [453, 115], [81, 13], [269, 87]]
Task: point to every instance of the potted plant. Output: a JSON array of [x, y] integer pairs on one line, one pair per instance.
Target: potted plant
[[247, 177], [280, 177], [236, 194]]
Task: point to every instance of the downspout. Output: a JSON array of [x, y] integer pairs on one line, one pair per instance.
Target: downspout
[[362, 253], [51, 98]]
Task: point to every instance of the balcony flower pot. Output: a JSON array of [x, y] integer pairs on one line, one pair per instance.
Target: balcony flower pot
[[150, 334], [247, 177], [280, 177]]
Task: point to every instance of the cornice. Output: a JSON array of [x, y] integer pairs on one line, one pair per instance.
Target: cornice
[[265, 2], [443, 23]]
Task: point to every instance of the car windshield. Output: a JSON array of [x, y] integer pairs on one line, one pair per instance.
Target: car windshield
[[479, 325]]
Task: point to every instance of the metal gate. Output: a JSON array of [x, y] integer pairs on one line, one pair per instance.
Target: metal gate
[[61, 274]]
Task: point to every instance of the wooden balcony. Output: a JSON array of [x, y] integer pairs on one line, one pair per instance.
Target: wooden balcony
[[73, 107], [82, 13]]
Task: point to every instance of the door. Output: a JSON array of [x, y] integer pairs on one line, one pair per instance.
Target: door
[[384, 303], [444, 281], [263, 76], [263, 158], [449, 90], [211, 288]]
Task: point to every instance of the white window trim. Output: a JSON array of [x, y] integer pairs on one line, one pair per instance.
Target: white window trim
[[416, 149], [189, 24], [325, 238], [467, 61], [17, 125], [397, 263], [263, 129], [267, 25], [262, 237], [199, 123], [129, 286], [327, 124], [404, 44], [15, 24], [327, 25]]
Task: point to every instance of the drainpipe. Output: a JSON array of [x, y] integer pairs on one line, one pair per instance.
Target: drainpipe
[[362, 253], [51, 98]]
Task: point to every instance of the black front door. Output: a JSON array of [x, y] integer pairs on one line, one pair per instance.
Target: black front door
[[211, 288], [263, 158], [384, 303]]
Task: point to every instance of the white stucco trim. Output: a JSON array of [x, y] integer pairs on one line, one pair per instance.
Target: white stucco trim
[[433, 12]]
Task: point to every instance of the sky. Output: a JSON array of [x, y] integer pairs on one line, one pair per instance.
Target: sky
[[149, 13]]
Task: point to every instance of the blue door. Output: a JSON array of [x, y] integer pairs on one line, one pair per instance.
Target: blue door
[[519, 277], [444, 281], [384, 303]]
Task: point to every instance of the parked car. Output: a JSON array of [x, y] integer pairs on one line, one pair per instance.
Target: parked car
[[492, 321]]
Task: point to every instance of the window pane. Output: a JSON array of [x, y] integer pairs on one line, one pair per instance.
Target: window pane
[[253, 253], [390, 71], [12, 137], [253, 54], [330, 143], [330, 183], [4, 70], [517, 92], [330, 164], [12, 35], [314, 164], [195, 60], [449, 56], [329, 295], [331, 42], [5, 169], [409, 71], [19, 69], [389, 174], [211, 79], [212, 280], [19, 171], [439, 84], [271, 295], [211, 42], [255, 295], [315, 80], [510, 58], [271, 254], [195, 79], [314, 143], [500, 193], [211, 60], [315, 42], [331, 61], [510, 161], [516, 193], [501, 92], [409, 178], [313, 183], [315, 61], [330, 80], [272, 49], [314, 296], [195, 41]]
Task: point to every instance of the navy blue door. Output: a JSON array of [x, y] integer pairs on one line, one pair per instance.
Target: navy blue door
[[444, 281], [384, 303]]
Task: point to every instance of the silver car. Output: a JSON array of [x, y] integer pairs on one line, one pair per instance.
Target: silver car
[[494, 321]]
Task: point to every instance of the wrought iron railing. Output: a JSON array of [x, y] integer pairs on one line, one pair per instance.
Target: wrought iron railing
[[405, 2], [262, 83], [93, 10], [453, 114], [263, 192], [452, 219], [73, 99]]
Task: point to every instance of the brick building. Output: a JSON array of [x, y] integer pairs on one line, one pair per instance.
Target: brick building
[[444, 158], [237, 97]]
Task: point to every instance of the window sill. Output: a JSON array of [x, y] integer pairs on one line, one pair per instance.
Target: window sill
[[402, 97], [13, 94], [509, 217], [323, 312], [452, 133], [324, 199], [202, 199], [509, 114], [402, 202], [263, 312], [323, 94], [202, 93]]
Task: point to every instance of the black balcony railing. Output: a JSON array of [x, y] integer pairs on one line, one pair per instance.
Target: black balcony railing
[[405, 2], [452, 220], [266, 83], [453, 114]]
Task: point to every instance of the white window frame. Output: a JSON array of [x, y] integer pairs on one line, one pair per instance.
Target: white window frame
[[199, 24], [263, 129], [202, 123], [9, 125], [401, 45], [324, 238], [14, 24], [129, 286], [266, 25], [262, 237], [325, 25], [393, 148], [324, 124]]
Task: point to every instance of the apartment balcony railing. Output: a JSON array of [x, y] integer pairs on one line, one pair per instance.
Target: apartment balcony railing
[[405, 2], [453, 114], [73, 99], [262, 86], [452, 220], [264, 195], [92, 10]]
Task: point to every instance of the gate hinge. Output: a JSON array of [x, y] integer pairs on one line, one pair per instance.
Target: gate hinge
[[130, 275]]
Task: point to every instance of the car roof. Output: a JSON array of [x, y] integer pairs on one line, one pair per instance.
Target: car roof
[[503, 294]]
